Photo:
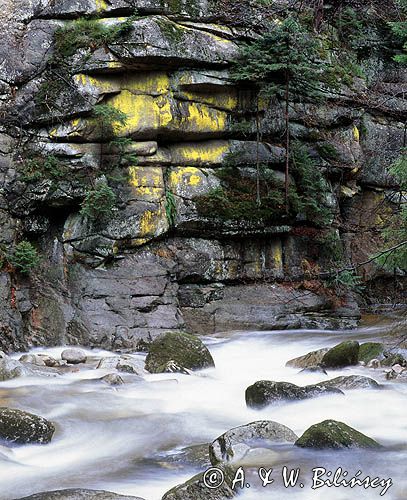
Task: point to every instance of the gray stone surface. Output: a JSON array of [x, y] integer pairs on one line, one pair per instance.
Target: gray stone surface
[[21, 427], [79, 494]]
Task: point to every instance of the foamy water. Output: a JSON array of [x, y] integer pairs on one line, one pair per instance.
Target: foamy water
[[118, 438]]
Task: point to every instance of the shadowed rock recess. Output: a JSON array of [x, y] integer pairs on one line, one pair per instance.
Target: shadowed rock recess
[[137, 95]]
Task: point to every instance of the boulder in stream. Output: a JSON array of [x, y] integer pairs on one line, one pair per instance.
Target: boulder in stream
[[371, 350], [195, 488], [19, 426], [266, 392], [74, 356], [182, 349], [112, 379], [79, 494], [33, 359], [235, 444], [11, 368], [344, 354], [351, 382], [336, 435], [309, 360]]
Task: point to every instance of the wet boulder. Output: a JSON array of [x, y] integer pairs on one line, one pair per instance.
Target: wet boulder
[[19, 426], [34, 359], [266, 392], [79, 494], [196, 489], [112, 379], [196, 455], [74, 356], [343, 354], [240, 442], [371, 350], [309, 360], [351, 382], [11, 368], [182, 349], [394, 358], [336, 435]]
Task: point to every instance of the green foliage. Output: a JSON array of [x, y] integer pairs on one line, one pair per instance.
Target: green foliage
[[399, 30], [236, 198], [347, 279], [286, 51], [331, 247], [89, 34], [121, 145], [170, 207], [395, 232], [99, 202], [40, 167], [328, 151], [107, 116], [24, 257], [311, 185]]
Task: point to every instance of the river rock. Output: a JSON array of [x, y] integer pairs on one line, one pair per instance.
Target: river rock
[[50, 361], [314, 369], [79, 494], [11, 368], [195, 488], [74, 356], [22, 427], [374, 363], [371, 350], [266, 392], [184, 349], [33, 359], [334, 434], [236, 443], [112, 379], [351, 382], [191, 456], [311, 359], [128, 364], [392, 359], [343, 354]]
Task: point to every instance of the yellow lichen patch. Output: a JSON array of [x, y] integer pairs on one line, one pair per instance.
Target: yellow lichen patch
[[356, 133], [72, 129], [186, 176], [101, 84], [209, 152], [152, 223], [147, 183], [144, 112], [152, 83], [201, 118], [100, 5]]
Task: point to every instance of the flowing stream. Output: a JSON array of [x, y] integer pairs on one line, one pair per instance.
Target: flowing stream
[[124, 439]]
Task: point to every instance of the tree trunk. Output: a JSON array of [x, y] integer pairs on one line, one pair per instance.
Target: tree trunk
[[287, 138], [258, 197]]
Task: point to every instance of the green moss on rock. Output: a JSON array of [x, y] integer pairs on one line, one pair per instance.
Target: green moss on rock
[[184, 349], [343, 354], [371, 350], [336, 435]]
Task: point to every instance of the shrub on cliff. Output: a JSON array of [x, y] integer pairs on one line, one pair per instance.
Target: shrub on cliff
[[24, 257]]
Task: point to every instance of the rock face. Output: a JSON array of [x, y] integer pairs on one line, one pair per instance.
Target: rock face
[[78, 494], [235, 444], [266, 392], [175, 253], [185, 350], [336, 435], [19, 426], [343, 354]]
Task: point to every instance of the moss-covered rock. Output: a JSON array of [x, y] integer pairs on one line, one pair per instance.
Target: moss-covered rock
[[22, 427], [183, 349], [394, 359], [333, 434], [343, 354], [265, 392], [371, 350]]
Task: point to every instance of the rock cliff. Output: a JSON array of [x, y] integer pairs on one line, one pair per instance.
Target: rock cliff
[[164, 259]]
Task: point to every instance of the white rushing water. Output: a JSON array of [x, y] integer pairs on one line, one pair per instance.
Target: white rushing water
[[119, 438]]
